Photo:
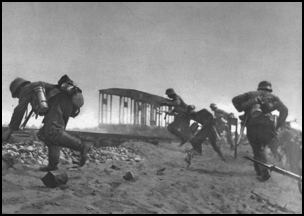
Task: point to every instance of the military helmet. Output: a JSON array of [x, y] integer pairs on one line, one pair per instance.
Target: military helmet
[[213, 106], [65, 79], [191, 107], [265, 85], [170, 91], [16, 84]]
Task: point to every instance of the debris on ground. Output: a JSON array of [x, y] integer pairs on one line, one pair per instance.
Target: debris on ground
[[36, 152], [129, 176], [160, 171]]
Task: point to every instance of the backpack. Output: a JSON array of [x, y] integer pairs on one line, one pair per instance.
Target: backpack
[[72, 90]]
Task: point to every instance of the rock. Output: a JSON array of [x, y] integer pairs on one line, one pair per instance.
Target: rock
[[114, 167], [160, 171], [35, 152], [54, 179], [137, 159], [129, 176]]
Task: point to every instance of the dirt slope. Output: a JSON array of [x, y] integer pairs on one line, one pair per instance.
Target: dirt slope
[[208, 186]]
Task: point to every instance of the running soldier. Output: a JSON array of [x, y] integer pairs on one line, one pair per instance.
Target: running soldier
[[260, 123], [223, 122], [56, 103], [180, 126], [208, 130]]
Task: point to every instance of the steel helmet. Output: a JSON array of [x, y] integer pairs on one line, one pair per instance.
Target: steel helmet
[[65, 79], [265, 85], [213, 106], [16, 84], [191, 107], [170, 91]]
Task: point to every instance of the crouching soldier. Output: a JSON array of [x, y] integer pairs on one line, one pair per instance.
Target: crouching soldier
[[223, 122], [205, 118], [260, 124], [56, 103], [180, 126]]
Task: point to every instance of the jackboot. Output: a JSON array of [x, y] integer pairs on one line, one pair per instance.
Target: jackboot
[[53, 154], [84, 153]]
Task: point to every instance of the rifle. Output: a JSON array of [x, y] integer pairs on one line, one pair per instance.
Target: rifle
[[26, 119], [242, 130], [272, 167]]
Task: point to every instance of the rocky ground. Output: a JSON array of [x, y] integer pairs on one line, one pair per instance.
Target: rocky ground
[[159, 183]]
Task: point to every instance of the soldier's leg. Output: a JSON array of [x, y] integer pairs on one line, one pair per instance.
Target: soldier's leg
[[172, 129], [53, 152], [255, 156], [252, 138], [53, 158], [229, 136], [261, 156], [196, 143], [261, 136], [213, 137], [198, 139], [59, 137]]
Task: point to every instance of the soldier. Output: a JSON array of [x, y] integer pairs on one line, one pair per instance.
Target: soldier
[[205, 118], [180, 126], [63, 101], [260, 123], [223, 122]]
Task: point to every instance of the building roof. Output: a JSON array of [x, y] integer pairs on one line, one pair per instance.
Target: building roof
[[136, 95]]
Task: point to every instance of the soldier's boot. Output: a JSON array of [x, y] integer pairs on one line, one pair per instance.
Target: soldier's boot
[[218, 151], [53, 154], [195, 151], [263, 172], [264, 176], [84, 153], [64, 139], [188, 158]]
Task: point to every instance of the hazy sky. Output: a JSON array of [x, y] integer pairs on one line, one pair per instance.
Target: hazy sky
[[207, 52]]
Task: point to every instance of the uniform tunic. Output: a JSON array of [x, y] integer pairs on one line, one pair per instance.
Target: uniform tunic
[[261, 130]]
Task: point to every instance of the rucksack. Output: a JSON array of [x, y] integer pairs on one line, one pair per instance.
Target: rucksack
[[72, 90]]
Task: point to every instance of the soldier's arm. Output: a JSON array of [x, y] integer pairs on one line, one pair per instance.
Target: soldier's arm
[[173, 103], [241, 102], [48, 86], [18, 113], [167, 102], [283, 110]]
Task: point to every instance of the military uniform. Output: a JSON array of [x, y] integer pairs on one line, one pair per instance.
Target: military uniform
[[53, 131], [261, 129], [221, 115], [27, 97], [180, 126], [205, 118], [61, 106]]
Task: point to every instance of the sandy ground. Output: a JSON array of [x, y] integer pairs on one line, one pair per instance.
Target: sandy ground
[[207, 186]]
